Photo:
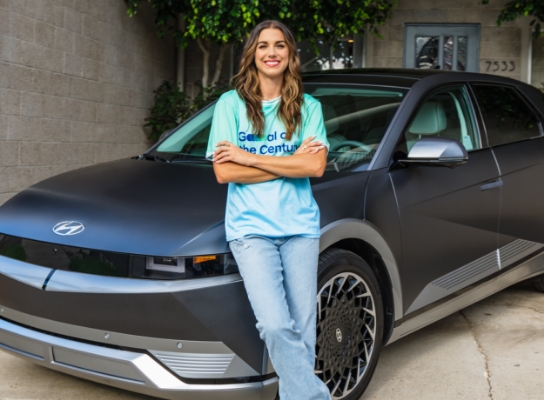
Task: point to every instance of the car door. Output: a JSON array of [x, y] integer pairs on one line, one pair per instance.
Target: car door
[[515, 136], [449, 217]]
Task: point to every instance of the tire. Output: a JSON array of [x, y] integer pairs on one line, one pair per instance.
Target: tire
[[350, 323], [539, 283]]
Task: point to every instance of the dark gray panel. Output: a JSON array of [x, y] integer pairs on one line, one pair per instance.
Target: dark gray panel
[[381, 210], [522, 211], [447, 220], [340, 195]]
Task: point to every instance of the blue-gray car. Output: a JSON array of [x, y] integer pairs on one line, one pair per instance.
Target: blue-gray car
[[120, 273]]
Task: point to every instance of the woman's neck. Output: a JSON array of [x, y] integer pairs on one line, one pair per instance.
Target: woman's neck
[[270, 87]]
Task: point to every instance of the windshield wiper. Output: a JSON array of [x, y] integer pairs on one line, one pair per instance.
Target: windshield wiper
[[146, 156], [182, 158], [191, 160]]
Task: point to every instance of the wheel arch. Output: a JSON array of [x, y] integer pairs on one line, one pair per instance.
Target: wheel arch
[[364, 239]]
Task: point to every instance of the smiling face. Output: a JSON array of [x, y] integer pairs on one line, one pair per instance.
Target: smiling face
[[271, 54]]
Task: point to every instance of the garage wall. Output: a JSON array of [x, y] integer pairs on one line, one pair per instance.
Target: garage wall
[[76, 82]]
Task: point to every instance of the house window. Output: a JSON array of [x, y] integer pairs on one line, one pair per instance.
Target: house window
[[453, 47]]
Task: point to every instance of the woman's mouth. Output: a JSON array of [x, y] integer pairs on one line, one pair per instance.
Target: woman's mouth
[[272, 63]]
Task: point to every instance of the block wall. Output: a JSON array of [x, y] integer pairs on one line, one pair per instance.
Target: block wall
[[76, 82], [497, 44]]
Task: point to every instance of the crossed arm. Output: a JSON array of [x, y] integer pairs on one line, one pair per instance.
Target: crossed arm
[[232, 164]]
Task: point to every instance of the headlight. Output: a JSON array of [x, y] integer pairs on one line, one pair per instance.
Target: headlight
[[166, 264], [107, 263], [187, 267]]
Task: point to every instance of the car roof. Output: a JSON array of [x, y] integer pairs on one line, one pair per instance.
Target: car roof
[[402, 77]]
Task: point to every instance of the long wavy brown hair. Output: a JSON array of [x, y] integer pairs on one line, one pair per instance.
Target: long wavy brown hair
[[246, 83]]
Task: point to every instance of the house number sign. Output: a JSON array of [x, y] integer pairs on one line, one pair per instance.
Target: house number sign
[[500, 66]]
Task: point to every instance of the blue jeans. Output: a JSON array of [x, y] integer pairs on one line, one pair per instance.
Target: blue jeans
[[280, 277]]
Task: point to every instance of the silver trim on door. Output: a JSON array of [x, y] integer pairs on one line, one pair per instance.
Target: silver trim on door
[[473, 272], [531, 268]]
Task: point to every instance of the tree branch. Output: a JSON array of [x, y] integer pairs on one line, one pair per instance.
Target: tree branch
[[219, 64], [205, 60]]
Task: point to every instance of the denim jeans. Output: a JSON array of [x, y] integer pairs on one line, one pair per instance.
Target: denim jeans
[[280, 277]]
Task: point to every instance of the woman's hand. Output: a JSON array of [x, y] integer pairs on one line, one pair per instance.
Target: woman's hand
[[307, 146], [226, 151]]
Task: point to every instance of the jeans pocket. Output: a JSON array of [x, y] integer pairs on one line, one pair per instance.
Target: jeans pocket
[[239, 245]]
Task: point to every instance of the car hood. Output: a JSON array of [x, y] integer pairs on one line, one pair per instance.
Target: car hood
[[151, 208], [128, 206]]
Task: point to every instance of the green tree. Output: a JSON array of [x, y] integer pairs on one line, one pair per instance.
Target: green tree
[[227, 22], [519, 8], [171, 107], [220, 22]]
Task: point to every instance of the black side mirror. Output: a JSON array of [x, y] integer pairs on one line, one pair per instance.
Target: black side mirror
[[436, 152]]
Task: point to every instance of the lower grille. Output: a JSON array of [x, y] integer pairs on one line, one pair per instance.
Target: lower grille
[[191, 365]]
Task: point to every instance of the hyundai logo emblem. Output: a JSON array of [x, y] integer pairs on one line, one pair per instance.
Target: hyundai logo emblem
[[68, 228]]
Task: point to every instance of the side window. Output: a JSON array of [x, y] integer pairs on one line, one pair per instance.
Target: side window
[[446, 113], [506, 116]]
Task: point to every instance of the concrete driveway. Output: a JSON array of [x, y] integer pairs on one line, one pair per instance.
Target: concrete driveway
[[492, 350]]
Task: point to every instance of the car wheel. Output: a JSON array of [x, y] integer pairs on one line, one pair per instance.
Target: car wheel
[[349, 323], [539, 283]]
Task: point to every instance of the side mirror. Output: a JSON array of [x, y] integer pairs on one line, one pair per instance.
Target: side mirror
[[436, 152]]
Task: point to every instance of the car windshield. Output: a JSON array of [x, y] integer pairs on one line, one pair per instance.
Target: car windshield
[[356, 119]]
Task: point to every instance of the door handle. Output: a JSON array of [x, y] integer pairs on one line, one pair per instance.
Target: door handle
[[491, 184]]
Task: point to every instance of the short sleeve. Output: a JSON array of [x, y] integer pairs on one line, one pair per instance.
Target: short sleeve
[[313, 124], [224, 126]]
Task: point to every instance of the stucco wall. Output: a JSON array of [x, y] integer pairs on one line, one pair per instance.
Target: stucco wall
[[537, 71], [497, 44], [76, 82]]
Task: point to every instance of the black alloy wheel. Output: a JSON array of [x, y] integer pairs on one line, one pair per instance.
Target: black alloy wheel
[[349, 323]]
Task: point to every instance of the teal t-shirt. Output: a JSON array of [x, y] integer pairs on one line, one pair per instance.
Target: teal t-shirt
[[279, 208]]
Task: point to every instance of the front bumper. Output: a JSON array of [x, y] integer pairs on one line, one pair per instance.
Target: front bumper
[[128, 370]]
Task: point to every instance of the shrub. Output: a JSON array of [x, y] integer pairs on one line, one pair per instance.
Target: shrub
[[172, 106]]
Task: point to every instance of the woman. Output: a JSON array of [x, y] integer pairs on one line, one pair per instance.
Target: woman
[[262, 144]]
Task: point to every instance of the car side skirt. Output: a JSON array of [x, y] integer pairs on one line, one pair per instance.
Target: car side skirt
[[488, 265], [529, 267]]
